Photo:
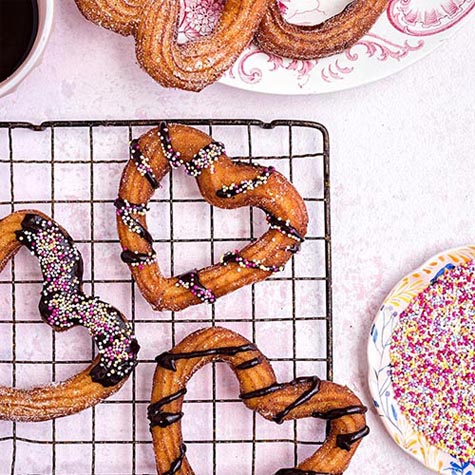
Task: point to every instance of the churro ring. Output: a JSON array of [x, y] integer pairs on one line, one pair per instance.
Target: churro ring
[[278, 402], [196, 64], [275, 35], [62, 306], [154, 23], [222, 183]]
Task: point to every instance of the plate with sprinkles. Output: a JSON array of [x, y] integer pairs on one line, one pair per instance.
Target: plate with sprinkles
[[421, 355]]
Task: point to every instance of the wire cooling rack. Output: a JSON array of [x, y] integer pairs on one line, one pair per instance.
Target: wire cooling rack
[[71, 170]]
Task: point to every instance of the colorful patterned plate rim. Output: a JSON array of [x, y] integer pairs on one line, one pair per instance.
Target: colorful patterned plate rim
[[380, 386], [409, 30]]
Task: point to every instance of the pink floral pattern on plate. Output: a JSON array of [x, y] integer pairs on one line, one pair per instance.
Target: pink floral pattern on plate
[[423, 17], [199, 18], [409, 31]]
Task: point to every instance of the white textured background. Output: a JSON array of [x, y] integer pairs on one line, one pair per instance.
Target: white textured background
[[402, 166]]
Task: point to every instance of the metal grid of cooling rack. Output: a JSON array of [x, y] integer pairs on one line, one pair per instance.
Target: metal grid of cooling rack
[[293, 148]]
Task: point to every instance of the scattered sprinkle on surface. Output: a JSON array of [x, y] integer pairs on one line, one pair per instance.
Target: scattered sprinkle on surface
[[433, 362]]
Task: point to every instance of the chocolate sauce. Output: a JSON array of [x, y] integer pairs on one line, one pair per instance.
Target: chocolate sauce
[[191, 281], [204, 159], [166, 400], [221, 193], [337, 413], [176, 464], [130, 257], [34, 224], [167, 360], [165, 419], [230, 257], [284, 227], [236, 258], [18, 31], [246, 185], [261, 392], [142, 164], [139, 228], [249, 364], [345, 441], [64, 305], [303, 398], [160, 418], [167, 147]]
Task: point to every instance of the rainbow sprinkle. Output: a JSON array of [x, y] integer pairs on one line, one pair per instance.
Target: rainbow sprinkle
[[433, 362], [228, 191], [64, 305], [141, 161], [241, 261], [204, 159], [191, 281]]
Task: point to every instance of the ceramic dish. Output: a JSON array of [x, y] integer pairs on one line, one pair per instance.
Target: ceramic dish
[[45, 13], [409, 30], [414, 443]]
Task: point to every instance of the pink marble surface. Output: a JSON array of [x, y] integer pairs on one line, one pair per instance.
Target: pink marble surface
[[402, 167]]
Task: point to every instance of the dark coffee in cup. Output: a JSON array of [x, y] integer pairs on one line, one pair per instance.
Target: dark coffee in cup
[[18, 30]]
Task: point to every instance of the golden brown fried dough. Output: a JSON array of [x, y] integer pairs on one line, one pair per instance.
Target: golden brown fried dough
[[62, 306], [275, 35], [154, 23], [196, 64], [222, 183], [278, 402]]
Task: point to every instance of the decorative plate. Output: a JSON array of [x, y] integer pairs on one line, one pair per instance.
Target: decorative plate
[[409, 30], [414, 443]]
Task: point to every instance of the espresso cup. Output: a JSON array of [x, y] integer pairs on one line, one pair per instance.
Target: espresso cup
[[45, 23]]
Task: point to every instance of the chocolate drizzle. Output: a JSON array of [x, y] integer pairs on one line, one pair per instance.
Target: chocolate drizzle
[[303, 398], [249, 364], [167, 360], [160, 418], [229, 191], [191, 281], [167, 399], [337, 413], [176, 464], [229, 257], [262, 392], [125, 209], [165, 419], [284, 227], [131, 257], [168, 151], [64, 305], [345, 441], [142, 163], [31, 227], [203, 159], [236, 258]]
